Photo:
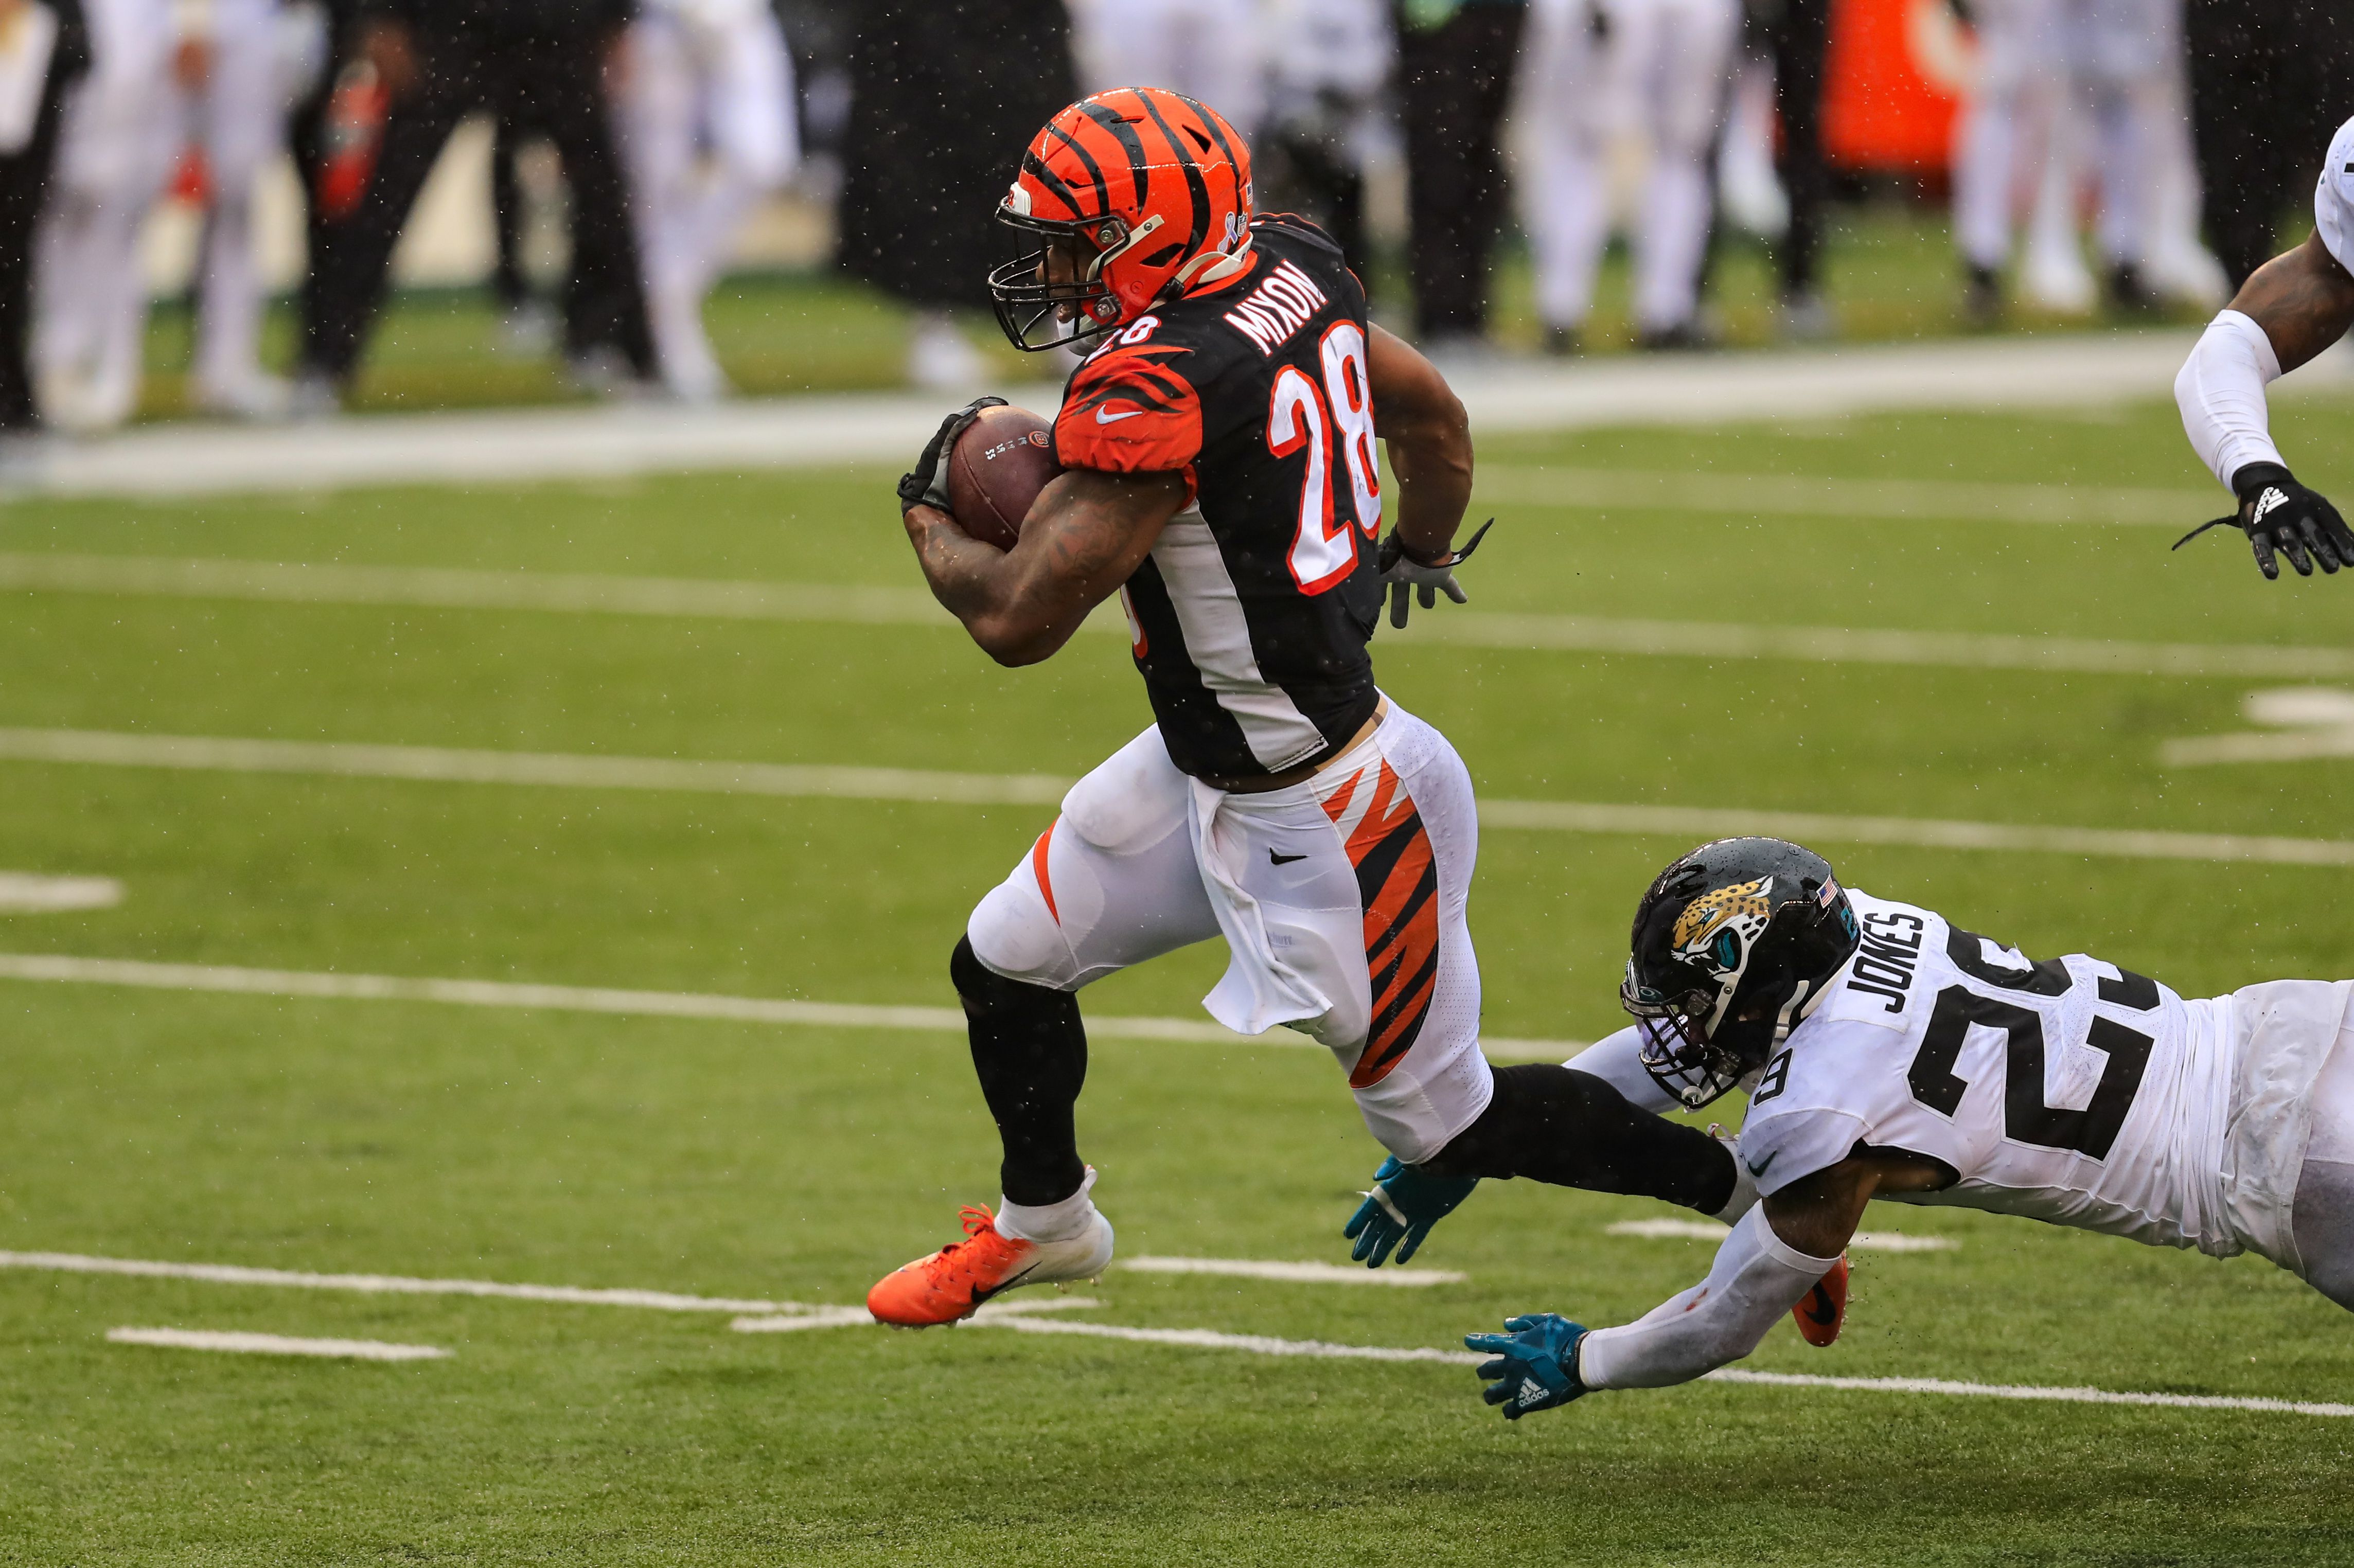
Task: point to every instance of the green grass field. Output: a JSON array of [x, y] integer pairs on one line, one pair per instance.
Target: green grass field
[[798, 1162]]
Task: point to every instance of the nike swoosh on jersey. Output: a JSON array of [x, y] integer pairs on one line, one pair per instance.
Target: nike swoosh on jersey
[[1756, 1169], [1275, 859], [1106, 417]]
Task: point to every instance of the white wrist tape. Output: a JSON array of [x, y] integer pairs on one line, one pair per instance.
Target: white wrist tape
[[1757, 1277], [2220, 391]]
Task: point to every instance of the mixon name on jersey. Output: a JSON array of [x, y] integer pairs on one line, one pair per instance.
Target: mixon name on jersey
[[1283, 304]]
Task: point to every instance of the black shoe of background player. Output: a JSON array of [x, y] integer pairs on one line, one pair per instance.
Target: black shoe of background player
[[1982, 298], [1684, 337], [2129, 293]]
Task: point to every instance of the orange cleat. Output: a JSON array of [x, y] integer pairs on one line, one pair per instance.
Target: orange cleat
[[1823, 1312], [952, 1283]]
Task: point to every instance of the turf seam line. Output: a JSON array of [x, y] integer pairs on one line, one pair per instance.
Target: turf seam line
[[275, 1344], [228, 980], [443, 765], [575, 593]]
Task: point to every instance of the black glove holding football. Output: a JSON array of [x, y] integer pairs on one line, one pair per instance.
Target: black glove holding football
[[928, 484], [2277, 514]]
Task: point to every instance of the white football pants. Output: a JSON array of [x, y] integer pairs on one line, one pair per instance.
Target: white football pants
[[124, 128], [1658, 69], [2322, 1218], [1207, 49], [2066, 85], [1342, 900], [715, 78]]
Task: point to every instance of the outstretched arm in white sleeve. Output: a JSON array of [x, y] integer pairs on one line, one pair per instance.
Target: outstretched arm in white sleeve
[[2293, 307]]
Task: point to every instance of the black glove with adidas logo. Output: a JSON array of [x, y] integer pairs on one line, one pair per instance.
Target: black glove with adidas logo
[[2277, 514]]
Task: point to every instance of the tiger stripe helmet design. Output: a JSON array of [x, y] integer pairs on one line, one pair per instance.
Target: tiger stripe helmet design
[[1150, 192]]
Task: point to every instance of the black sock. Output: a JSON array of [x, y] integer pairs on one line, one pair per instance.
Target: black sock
[[1032, 1055], [1573, 1129]]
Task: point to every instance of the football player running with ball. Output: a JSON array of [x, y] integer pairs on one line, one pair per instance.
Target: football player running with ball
[[2292, 308], [1896, 1056], [1220, 476]]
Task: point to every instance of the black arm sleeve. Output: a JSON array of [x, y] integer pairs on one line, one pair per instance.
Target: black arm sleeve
[[1572, 1129]]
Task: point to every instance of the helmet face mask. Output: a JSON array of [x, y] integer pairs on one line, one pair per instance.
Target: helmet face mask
[[1056, 296], [1732, 945]]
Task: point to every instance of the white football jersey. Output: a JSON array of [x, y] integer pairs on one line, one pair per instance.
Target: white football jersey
[[2068, 1090], [2333, 199]]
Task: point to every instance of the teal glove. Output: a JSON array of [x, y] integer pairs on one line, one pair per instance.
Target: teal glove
[[1404, 1204], [1535, 1366]]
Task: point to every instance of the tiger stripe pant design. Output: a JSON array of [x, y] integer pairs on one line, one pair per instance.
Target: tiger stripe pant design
[[1342, 901]]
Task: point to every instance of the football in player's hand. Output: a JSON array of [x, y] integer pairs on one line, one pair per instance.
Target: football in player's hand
[[1001, 461]]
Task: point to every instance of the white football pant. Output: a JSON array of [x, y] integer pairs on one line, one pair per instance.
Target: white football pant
[[704, 76], [1657, 71], [2067, 87], [124, 129], [1207, 49], [1342, 900]]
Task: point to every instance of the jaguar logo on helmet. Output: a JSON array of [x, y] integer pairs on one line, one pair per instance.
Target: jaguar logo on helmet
[[1723, 923]]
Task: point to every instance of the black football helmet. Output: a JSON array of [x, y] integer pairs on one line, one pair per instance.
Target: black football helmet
[[1733, 944]]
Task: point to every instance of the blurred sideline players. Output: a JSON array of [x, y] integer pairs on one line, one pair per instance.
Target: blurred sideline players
[[217, 75], [2068, 87], [1600, 70], [702, 74]]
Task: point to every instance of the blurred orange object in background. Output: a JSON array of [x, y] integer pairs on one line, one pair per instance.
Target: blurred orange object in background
[[1896, 76]]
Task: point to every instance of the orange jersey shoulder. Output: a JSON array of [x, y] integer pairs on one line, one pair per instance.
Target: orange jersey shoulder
[[1130, 410]]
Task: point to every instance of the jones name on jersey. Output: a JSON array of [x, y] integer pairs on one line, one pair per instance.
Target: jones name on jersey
[[1250, 616], [2067, 1090]]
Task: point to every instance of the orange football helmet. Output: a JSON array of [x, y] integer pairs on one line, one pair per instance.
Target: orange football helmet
[[1146, 192]]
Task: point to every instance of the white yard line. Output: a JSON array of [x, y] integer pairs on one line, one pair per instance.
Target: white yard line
[[1802, 495], [1918, 832], [1708, 1231], [1022, 1316], [444, 765], [569, 770], [388, 1284], [2258, 746], [23, 893], [1214, 1340], [1291, 1273], [753, 435], [858, 1317], [2029, 1392], [1263, 1345], [275, 1345], [593, 594], [62, 969]]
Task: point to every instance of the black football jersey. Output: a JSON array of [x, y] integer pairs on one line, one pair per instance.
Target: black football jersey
[[1251, 616]]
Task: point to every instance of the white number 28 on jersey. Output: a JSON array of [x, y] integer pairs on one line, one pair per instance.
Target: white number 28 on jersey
[[1301, 415]]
